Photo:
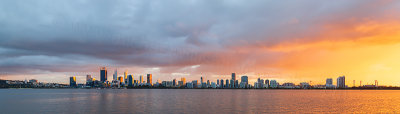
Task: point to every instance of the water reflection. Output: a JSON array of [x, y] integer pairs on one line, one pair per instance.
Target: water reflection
[[198, 101]]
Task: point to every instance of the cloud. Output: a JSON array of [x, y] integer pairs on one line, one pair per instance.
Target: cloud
[[218, 36]]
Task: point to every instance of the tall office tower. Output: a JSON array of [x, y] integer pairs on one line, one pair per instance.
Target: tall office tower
[[72, 81], [208, 83], [232, 84], [261, 83], [195, 83], [217, 81], [227, 83], [174, 82], [245, 79], [126, 75], [274, 84], [141, 79], [222, 83], [121, 79], [233, 76], [236, 83], [329, 83], [130, 80], [341, 82], [149, 79], [267, 83], [201, 80], [183, 80], [115, 76], [103, 74], [88, 78]]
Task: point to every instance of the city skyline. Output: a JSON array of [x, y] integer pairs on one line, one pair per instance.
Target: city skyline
[[192, 39]]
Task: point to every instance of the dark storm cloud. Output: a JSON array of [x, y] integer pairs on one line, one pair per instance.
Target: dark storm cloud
[[56, 35]]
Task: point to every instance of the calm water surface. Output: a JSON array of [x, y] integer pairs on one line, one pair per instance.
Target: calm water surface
[[157, 101]]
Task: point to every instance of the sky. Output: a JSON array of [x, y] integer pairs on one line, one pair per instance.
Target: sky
[[296, 41]]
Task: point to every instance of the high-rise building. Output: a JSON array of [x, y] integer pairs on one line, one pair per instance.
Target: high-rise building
[[227, 83], [126, 76], [130, 80], [329, 83], [341, 82], [208, 83], [274, 84], [72, 81], [222, 83], [234, 79], [236, 83], [232, 84], [183, 80], [217, 81], [115, 75], [149, 79], [121, 79], [201, 80], [267, 83], [174, 82], [141, 79], [245, 79], [103, 74], [195, 83]]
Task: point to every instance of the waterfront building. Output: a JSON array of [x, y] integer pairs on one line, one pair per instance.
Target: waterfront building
[[183, 79], [305, 85], [217, 81], [208, 83], [222, 83], [174, 82], [190, 85], [329, 83], [227, 83], [195, 83], [236, 83], [232, 84], [141, 79], [234, 80], [121, 79], [72, 81], [125, 76], [267, 83], [213, 85], [115, 75], [341, 82], [149, 80], [274, 84], [244, 79], [103, 74], [130, 80]]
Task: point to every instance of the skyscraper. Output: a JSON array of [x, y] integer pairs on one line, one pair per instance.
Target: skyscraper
[[174, 82], [183, 80], [115, 76], [217, 81], [121, 79], [227, 83], [130, 80], [141, 79], [222, 83], [267, 83], [341, 82], [149, 79], [329, 83], [72, 81], [103, 74], [201, 80], [234, 80], [245, 79], [274, 84], [126, 76]]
